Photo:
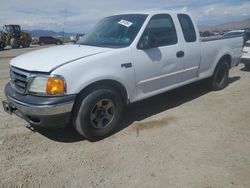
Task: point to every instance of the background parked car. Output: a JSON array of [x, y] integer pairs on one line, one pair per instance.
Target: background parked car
[[234, 33], [245, 58], [49, 40], [245, 33]]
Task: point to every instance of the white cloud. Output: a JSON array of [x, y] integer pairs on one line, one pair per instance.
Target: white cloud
[[184, 9], [222, 11], [80, 15]]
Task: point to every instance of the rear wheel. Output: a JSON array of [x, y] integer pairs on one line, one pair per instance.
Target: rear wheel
[[220, 77], [13, 43], [26, 44], [98, 113]]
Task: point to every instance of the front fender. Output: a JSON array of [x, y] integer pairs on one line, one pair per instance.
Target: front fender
[[106, 66]]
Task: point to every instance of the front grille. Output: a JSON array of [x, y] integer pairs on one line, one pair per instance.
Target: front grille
[[19, 79]]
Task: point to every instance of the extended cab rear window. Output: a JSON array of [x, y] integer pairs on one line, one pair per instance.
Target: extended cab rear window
[[187, 28]]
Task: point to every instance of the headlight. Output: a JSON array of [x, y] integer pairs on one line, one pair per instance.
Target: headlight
[[48, 85]]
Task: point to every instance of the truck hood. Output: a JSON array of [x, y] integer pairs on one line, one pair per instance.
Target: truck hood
[[47, 59]]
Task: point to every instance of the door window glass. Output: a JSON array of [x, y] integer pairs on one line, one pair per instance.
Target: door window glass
[[162, 29]]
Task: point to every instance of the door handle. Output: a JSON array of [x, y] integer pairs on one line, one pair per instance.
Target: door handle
[[180, 54]]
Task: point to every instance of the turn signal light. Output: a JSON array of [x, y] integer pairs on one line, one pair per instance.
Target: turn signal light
[[55, 86]]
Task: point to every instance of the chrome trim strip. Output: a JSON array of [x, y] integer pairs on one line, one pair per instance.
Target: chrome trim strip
[[19, 71], [166, 75], [18, 75]]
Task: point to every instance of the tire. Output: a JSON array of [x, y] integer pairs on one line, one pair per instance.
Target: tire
[[220, 78], [13, 43], [2, 46], [98, 113], [26, 45]]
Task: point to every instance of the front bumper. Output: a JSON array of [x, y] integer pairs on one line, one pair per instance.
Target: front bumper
[[39, 111]]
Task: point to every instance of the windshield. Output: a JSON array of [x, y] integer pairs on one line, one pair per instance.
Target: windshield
[[12, 28], [115, 31]]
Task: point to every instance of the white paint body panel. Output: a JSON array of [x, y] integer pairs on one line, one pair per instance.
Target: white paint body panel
[[46, 59], [153, 71], [212, 51]]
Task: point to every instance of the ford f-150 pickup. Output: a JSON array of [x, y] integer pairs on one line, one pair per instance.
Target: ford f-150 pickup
[[123, 59]]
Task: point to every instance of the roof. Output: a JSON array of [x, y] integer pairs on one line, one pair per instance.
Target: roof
[[153, 12]]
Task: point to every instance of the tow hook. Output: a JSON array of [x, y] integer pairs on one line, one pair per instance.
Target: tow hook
[[7, 107]]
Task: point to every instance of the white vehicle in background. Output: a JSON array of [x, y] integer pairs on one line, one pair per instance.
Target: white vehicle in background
[[245, 58], [123, 59], [234, 33]]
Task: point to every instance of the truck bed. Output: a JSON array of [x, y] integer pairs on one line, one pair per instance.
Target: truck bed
[[213, 48]]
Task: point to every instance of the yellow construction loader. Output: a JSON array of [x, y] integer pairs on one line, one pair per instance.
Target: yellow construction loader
[[13, 35]]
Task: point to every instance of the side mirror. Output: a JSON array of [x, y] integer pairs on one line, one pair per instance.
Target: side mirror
[[147, 42]]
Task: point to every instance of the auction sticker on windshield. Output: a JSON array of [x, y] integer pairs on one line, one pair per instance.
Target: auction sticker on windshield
[[125, 23]]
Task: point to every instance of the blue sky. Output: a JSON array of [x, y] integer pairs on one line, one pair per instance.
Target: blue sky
[[79, 16]]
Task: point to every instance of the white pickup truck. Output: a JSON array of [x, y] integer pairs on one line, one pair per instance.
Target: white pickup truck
[[123, 59]]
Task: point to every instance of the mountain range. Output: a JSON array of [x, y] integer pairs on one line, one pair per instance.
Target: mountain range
[[227, 26], [39, 32]]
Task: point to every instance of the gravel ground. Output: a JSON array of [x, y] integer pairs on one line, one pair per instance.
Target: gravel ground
[[189, 137]]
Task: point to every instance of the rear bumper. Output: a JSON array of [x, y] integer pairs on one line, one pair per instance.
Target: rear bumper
[[39, 111]]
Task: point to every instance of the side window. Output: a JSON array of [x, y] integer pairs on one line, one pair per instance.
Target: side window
[[161, 28], [187, 28]]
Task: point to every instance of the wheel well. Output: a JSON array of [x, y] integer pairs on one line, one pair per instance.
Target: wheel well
[[117, 86], [227, 58]]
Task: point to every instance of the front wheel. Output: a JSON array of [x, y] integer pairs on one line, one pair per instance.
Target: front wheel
[[14, 43], [2, 45], [98, 113], [220, 77]]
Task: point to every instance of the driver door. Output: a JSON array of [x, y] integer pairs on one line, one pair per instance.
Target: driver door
[[158, 65]]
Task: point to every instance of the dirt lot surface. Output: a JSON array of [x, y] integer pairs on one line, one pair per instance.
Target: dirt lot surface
[[189, 137]]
